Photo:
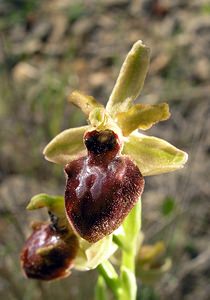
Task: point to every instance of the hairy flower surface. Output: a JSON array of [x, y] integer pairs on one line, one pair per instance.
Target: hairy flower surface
[[102, 187]]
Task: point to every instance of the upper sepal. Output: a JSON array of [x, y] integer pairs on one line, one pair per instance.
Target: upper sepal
[[130, 80], [153, 155]]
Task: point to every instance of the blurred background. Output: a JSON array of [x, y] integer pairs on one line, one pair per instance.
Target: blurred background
[[49, 48]]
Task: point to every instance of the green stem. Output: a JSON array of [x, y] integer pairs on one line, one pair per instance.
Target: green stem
[[128, 260], [132, 226], [100, 290], [110, 276], [119, 241], [124, 287]]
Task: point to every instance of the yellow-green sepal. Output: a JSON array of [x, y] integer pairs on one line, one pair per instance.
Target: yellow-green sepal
[[142, 116], [153, 155], [130, 80], [66, 146]]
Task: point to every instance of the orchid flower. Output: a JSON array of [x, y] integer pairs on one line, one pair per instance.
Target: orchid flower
[[151, 154], [105, 163]]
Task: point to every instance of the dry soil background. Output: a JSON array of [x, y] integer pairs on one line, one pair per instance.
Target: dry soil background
[[47, 49]]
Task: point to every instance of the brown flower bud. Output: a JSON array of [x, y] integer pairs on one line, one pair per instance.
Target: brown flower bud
[[48, 254]]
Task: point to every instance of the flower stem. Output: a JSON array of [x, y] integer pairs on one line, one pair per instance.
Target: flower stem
[[132, 225], [110, 276], [124, 286], [100, 290]]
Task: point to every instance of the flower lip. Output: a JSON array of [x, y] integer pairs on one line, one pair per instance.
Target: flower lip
[[100, 193], [102, 142]]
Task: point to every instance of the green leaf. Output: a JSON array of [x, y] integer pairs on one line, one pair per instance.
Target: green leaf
[[153, 155], [86, 103], [130, 80], [142, 116], [66, 146]]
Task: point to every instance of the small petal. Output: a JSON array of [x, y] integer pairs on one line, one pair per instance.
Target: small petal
[[130, 80], [66, 146], [142, 116], [85, 102], [153, 155]]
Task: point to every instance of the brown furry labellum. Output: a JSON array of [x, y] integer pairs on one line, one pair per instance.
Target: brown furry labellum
[[47, 254], [102, 187]]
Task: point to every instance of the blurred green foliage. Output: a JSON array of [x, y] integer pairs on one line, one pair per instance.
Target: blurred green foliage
[[168, 206], [206, 8], [17, 11], [147, 293], [76, 11]]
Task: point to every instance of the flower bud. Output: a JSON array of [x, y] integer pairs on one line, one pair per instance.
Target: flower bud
[[152, 262], [48, 254]]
